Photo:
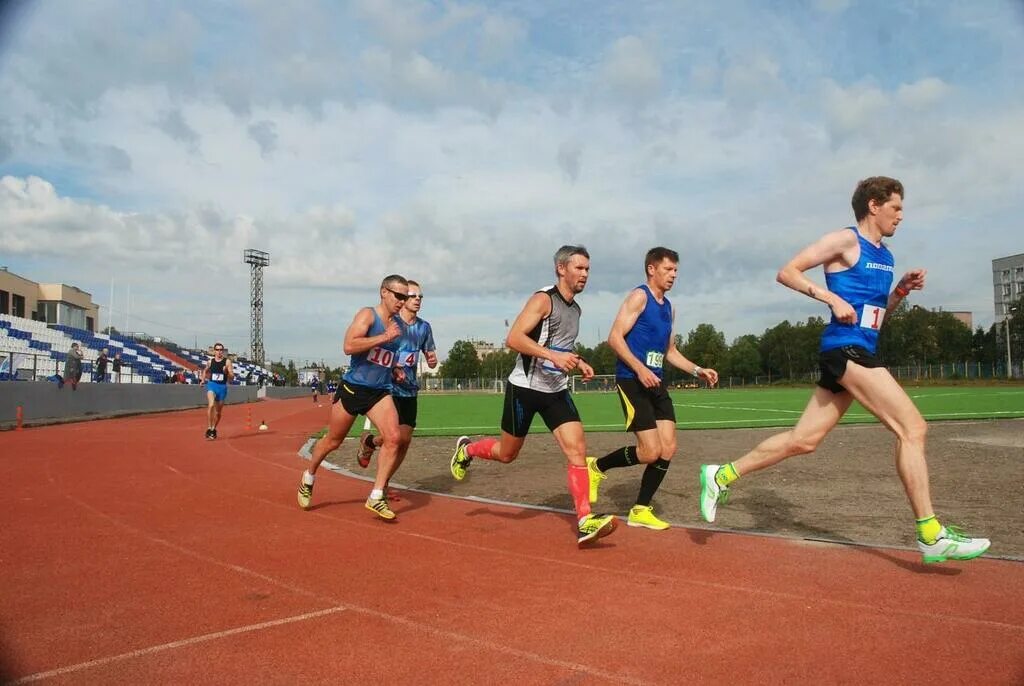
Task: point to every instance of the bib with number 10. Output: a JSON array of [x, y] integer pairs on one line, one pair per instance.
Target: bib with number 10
[[871, 316]]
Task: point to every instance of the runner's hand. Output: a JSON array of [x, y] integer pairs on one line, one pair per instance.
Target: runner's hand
[[648, 378], [391, 332], [843, 312], [586, 370], [913, 280], [709, 375], [564, 361], [398, 374]]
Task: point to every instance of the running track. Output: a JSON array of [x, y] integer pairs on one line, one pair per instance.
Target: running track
[[133, 551]]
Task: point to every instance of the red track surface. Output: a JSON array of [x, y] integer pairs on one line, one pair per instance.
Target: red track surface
[[133, 551]]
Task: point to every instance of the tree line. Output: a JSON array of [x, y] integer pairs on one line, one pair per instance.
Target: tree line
[[910, 336]]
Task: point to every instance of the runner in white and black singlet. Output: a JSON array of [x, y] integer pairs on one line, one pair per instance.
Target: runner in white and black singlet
[[544, 335]]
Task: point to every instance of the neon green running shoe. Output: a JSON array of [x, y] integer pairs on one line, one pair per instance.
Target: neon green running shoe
[[460, 460], [711, 494], [952, 544], [595, 476], [595, 527], [643, 515]]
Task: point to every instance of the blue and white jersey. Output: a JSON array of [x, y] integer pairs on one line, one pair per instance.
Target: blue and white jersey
[[373, 367], [865, 286], [416, 338], [650, 336]]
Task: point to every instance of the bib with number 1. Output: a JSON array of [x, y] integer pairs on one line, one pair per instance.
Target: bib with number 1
[[871, 316]]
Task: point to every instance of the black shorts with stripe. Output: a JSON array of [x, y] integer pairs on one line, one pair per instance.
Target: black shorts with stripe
[[521, 404], [644, 407], [833, 364], [358, 399]]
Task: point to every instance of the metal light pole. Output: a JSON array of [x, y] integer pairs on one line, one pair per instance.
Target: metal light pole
[[1009, 360], [257, 259]]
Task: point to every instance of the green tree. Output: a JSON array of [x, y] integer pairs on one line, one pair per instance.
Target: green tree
[[705, 345], [497, 365], [462, 362], [743, 358], [603, 358]]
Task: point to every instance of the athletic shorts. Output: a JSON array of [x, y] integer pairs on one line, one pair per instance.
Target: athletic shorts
[[522, 403], [358, 399], [833, 364], [219, 390], [406, 406], [644, 407]]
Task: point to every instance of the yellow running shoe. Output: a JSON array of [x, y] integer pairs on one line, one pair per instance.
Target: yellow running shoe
[[596, 476], [460, 460], [380, 508], [643, 515], [595, 527], [305, 493]]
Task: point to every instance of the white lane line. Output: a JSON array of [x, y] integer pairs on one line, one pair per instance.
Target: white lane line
[[141, 652]]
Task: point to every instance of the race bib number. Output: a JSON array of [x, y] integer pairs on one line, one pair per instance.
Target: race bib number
[[408, 359], [216, 376], [871, 317], [655, 360], [381, 356]]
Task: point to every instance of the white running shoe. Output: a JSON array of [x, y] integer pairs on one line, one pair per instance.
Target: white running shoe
[[952, 544], [710, 492]]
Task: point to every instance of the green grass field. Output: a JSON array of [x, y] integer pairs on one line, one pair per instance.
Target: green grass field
[[477, 413]]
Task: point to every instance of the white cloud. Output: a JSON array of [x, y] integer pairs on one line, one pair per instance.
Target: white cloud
[[924, 93], [631, 70]]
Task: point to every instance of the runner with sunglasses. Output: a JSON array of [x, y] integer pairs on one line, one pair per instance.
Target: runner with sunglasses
[[218, 374], [372, 341], [417, 337]]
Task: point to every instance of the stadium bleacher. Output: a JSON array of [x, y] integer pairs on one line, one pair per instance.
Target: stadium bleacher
[[40, 351]]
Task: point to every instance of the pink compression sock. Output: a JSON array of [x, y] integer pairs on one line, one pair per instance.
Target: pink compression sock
[[481, 448], [579, 489]]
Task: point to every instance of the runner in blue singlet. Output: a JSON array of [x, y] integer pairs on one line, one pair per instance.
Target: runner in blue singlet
[[858, 275], [371, 340], [417, 337], [642, 338]]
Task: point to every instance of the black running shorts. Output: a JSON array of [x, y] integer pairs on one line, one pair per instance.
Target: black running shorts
[[833, 364], [522, 403], [358, 399], [406, 407], [644, 407]]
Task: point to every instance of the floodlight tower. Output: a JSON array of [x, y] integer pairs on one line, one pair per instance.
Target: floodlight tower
[[257, 259]]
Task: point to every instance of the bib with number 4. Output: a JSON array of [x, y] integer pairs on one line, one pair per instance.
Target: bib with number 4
[[871, 317]]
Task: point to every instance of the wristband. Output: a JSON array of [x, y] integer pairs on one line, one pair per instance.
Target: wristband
[[901, 291], [697, 371]]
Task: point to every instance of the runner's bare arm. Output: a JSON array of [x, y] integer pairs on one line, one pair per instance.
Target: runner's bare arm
[[536, 308], [624, 322], [835, 248], [356, 340], [911, 281]]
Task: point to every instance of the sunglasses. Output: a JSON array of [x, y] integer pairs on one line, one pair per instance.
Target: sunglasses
[[400, 296], [218, 350], [415, 296]]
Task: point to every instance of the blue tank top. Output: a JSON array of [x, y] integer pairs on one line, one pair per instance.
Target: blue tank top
[[373, 367], [416, 337], [865, 286], [649, 338]]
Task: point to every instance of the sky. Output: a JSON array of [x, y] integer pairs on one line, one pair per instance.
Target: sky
[[144, 146]]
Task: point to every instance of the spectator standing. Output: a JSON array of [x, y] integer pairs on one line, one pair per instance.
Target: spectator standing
[[73, 367], [115, 368], [100, 373]]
